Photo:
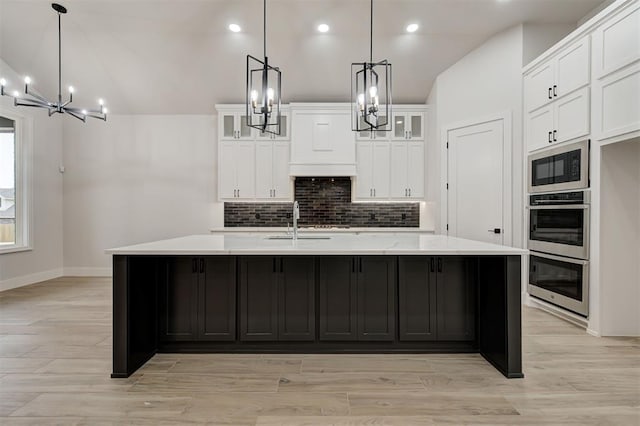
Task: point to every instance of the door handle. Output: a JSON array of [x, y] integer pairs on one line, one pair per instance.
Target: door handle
[[202, 265], [439, 264], [495, 230], [433, 264], [550, 133], [550, 94], [555, 133], [555, 91]]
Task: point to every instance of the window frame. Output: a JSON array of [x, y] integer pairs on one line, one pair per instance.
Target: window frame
[[23, 152]]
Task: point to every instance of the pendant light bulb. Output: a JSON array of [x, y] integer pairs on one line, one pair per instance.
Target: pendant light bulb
[[100, 102], [361, 101], [373, 91], [254, 98], [3, 82], [71, 89], [27, 80]]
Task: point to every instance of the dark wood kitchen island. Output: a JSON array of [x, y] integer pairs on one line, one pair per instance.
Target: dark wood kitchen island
[[374, 293]]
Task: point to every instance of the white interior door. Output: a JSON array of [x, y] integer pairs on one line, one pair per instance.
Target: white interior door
[[476, 185]]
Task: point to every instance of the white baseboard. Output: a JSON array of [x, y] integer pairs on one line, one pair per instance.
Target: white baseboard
[[81, 271], [593, 332], [24, 280]]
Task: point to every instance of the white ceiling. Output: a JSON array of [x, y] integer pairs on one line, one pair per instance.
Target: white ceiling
[[178, 57]]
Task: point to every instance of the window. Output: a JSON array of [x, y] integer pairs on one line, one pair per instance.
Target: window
[[15, 144]]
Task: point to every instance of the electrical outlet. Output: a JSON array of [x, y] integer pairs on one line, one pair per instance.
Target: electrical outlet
[[257, 215], [404, 216]]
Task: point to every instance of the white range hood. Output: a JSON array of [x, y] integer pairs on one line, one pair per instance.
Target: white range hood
[[322, 142]]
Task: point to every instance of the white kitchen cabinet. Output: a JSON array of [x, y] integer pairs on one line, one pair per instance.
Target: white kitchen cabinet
[[373, 170], [567, 71], [236, 170], [407, 170], [408, 125], [233, 125], [285, 133], [616, 85], [566, 119], [272, 171], [372, 135]]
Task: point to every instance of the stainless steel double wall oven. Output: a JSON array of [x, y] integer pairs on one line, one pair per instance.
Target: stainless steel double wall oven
[[559, 226]]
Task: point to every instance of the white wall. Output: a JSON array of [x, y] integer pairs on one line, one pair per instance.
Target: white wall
[[45, 260], [485, 82], [136, 179], [620, 239], [538, 38]]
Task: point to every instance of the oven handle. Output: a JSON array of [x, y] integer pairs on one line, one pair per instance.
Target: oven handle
[[559, 258], [561, 207]]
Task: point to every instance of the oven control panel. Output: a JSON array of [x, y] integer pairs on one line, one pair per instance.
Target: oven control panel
[[575, 197]]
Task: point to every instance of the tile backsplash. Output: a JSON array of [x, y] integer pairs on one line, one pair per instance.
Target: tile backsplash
[[324, 201]]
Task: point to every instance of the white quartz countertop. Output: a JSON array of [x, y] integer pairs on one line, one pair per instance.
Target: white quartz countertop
[[337, 244], [275, 230]]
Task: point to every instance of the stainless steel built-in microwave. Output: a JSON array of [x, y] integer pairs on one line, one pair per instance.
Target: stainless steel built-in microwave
[[560, 169]]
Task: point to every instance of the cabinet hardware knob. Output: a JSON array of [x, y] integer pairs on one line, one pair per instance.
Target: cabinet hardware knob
[[550, 133], [555, 91], [495, 230], [555, 133], [550, 94]]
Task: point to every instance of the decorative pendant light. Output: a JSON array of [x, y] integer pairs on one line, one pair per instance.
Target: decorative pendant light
[[371, 93], [263, 90], [32, 98]]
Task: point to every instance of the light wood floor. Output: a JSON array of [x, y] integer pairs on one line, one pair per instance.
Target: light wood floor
[[55, 360]]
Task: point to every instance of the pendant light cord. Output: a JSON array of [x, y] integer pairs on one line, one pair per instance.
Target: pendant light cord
[[264, 28], [59, 59], [371, 39]]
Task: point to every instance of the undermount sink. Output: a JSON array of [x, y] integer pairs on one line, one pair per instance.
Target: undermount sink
[[300, 237]]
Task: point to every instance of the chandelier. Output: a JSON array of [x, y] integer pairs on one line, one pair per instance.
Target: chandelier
[[264, 83], [32, 98], [371, 92]]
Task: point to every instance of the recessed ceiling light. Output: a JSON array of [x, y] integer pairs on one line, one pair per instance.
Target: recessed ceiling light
[[235, 28], [323, 28], [412, 28]]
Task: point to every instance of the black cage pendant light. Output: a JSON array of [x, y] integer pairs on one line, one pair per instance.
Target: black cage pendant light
[[371, 92], [32, 98], [264, 84]]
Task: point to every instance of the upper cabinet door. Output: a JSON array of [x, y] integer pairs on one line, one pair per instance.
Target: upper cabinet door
[[538, 86], [572, 116], [245, 169], [399, 188], [400, 127], [616, 43], [539, 128], [228, 124], [281, 179], [226, 171], [380, 170], [234, 126], [264, 169], [364, 182], [573, 67], [284, 130], [408, 125], [415, 169]]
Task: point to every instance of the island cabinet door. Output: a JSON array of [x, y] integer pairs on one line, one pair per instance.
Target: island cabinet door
[[296, 298], [258, 298], [179, 300], [416, 298], [337, 293], [376, 298], [455, 298], [217, 298]]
